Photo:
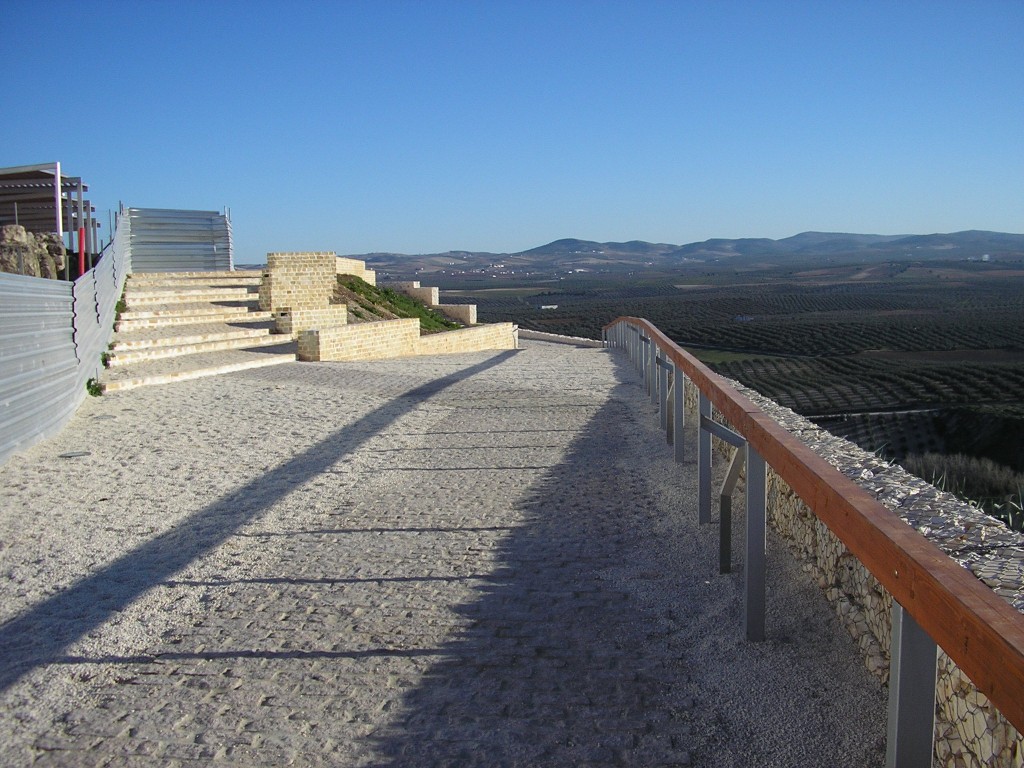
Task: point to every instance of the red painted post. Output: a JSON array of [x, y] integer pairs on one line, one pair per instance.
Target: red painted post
[[81, 251]]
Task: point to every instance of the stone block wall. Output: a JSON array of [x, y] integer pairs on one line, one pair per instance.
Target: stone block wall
[[428, 296], [294, 321], [400, 338], [969, 731], [477, 339], [361, 341], [298, 281], [343, 266], [460, 313]]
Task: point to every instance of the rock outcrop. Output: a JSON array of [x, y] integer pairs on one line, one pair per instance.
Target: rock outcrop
[[25, 253]]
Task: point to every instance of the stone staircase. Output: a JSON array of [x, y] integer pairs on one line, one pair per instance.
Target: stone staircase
[[185, 325]]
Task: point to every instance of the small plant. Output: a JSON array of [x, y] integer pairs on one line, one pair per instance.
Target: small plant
[[120, 307], [93, 387], [105, 359]]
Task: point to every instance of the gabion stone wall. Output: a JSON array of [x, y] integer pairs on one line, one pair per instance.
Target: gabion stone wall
[[969, 731]]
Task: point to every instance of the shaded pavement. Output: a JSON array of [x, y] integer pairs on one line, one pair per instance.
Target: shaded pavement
[[484, 559]]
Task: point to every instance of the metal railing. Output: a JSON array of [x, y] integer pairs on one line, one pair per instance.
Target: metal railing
[[935, 600]]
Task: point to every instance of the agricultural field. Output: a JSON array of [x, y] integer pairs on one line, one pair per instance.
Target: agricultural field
[[902, 358]]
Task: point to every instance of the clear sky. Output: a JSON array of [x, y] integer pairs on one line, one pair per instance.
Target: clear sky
[[428, 126]]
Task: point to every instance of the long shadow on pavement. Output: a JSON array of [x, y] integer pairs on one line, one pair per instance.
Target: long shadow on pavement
[[567, 658], [606, 636], [39, 635]]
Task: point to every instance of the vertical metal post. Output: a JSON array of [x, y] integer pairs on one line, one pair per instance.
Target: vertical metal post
[[670, 418], [754, 568], [703, 464], [604, 338], [725, 535], [732, 476], [911, 694], [663, 394], [678, 411], [652, 389], [57, 202]]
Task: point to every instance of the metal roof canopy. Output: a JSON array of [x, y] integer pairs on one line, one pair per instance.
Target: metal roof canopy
[[42, 200]]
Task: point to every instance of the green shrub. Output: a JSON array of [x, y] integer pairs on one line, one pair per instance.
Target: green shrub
[[398, 304]]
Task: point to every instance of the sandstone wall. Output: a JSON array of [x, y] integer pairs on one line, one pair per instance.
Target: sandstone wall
[[460, 313], [400, 338], [361, 341], [355, 267], [298, 281], [294, 321], [477, 339]]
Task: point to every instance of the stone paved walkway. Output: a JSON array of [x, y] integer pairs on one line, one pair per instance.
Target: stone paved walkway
[[483, 559]]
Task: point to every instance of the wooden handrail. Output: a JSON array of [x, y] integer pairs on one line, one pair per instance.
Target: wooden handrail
[[979, 631]]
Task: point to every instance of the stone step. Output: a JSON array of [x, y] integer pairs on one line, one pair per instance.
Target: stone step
[[196, 333], [194, 366], [225, 282], [132, 324], [131, 357], [141, 298], [241, 282], [151, 278], [190, 309]]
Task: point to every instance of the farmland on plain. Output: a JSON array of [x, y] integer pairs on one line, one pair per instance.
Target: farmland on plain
[[902, 358]]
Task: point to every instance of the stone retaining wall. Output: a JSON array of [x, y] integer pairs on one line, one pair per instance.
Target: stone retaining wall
[[969, 731], [460, 313], [294, 321], [355, 267], [298, 281], [362, 341], [476, 339], [400, 338]]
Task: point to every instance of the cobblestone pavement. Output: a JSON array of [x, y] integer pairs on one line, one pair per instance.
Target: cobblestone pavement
[[484, 559]]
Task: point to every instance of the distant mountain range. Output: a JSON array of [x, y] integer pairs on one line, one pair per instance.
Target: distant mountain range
[[807, 247]]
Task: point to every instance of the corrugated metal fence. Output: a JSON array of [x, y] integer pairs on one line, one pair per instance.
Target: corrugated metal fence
[[169, 240], [52, 336]]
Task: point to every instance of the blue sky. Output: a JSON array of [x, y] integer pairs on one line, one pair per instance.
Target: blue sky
[[427, 126]]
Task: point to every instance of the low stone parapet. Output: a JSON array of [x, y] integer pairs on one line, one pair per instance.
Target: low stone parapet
[[460, 313], [355, 267], [476, 339], [294, 321], [400, 338], [362, 341]]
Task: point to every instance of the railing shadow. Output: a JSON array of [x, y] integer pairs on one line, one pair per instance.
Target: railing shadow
[[39, 635], [585, 646]]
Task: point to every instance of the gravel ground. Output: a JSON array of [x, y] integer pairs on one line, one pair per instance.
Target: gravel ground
[[484, 559]]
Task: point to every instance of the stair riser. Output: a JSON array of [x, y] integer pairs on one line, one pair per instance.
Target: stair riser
[[163, 352], [148, 294], [120, 386], [177, 341], [183, 297], [148, 277], [212, 311], [129, 324], [148, 285]]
